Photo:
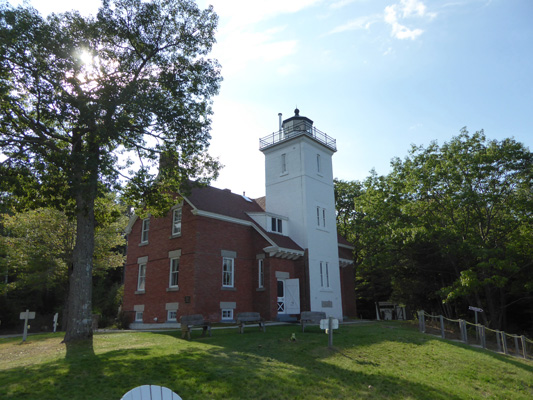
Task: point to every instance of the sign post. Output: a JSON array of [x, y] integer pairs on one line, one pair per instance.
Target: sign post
[[26, 315], [56, 316], [329, 324], [476, 310]]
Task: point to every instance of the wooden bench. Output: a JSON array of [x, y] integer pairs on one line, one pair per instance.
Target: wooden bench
[[250, 318], [311, 318], [190, 321]]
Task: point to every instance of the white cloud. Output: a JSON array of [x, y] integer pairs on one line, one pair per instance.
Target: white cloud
[[356, 24], [402, 10]]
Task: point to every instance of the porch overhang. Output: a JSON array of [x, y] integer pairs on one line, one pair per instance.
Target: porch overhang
[[280, 252], [343, 262]]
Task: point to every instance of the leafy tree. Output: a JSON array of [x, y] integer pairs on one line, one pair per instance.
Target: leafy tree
[[80, 94], [451, 225], [38, 248]]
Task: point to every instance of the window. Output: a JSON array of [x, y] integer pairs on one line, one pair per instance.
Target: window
[[321, 217], [227, 272], [283, 163], [227, 314], [138, 316], [172, 316], [141, 281], [318, 164], [144, 230], [174, 272], [261, 277], [176, 222], [324, 274], [277, 225]]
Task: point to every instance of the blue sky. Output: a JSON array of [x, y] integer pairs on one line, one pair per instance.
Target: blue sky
[[376, 75]]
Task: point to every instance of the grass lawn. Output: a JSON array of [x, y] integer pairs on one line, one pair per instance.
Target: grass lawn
[[382, 360]]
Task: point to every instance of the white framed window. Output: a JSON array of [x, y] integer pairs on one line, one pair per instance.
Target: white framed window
[[227, 314], [324, 274], [318, 164], [227, 272], [138, 316], [321, 217], [144, 230], [141, 278], [276, 225], [176, 222], [174, 272], [261, 273], [284, 163], [172, 316]]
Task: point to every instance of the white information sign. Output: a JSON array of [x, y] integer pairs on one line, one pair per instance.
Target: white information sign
[[324, 323]]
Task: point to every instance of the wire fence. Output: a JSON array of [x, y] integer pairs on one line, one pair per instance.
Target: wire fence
[[476, 334]]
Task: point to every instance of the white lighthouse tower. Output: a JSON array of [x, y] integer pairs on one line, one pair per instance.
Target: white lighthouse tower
[[299, 187]]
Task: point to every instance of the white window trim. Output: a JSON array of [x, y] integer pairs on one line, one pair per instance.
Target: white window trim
[[231, 271], [176, 225], [141, 278], [321, 218], [284, 163], [169, 319], [324, 274], [261, 274], [227, 311], [138, 316], [170, 285], [145, 228]]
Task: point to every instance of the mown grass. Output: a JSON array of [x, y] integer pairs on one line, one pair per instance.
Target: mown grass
[[369, 361]]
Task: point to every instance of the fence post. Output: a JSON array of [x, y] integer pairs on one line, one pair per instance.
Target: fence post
[[524, 349], [516, 347], [504, 343], [482, 337], [462, 328], [442, 334], [498, 341], [421, 322]]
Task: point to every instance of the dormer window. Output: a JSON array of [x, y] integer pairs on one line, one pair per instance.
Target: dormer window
[[277, 225]]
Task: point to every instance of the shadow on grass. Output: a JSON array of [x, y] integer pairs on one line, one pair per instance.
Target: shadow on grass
[[227, 365]]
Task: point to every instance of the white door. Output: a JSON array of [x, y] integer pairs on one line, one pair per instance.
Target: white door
[[281, 296], [292, 296]]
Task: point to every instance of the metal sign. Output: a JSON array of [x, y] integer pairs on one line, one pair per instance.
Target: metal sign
[[324, 323], [476, 309], [27, 315]]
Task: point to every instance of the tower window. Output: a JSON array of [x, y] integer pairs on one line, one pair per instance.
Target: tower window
[[324, 274], [321, 217], [284, 163], [318, 164]]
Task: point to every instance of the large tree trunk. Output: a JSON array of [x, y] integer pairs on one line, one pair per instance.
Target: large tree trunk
[[79, 324]]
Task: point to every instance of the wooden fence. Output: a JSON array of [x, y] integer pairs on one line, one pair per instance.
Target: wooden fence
[[475, 334]]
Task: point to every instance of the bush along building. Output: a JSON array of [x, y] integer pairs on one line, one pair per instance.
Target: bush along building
[[218, 253]]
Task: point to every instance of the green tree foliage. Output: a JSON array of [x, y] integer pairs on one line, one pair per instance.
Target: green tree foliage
[[38, 252], [80, 94], [454, 227]]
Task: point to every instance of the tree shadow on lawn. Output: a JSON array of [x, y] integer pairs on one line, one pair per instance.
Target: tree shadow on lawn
[[226, 366], [255, 366]]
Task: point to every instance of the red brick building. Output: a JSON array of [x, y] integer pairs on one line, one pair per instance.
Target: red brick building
[[217, 253]]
